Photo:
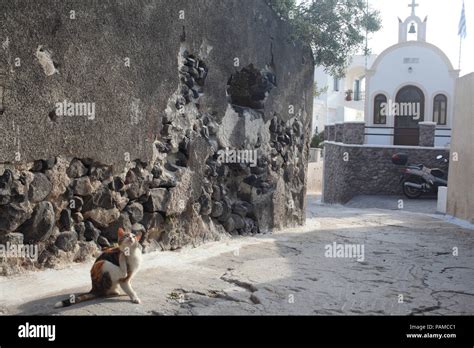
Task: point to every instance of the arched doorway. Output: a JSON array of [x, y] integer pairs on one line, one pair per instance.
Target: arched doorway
[[410, 101]]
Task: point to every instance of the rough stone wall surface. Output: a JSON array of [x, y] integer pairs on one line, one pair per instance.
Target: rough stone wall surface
[[339, 131], [353, 133], [331, 133], [427, 134], [363, 170], [326, 133], [172, 85]]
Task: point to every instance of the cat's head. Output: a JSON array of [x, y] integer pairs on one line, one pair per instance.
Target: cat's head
[[128, 239]]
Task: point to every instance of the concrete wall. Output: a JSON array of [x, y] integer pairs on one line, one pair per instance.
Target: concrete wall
[[172, 83], [461, 174], [315, 171], [351, 170]]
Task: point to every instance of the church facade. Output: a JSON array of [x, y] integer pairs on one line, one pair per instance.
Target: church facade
[[410, 83]]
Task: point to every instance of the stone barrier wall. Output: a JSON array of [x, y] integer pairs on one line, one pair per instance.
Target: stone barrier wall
[[427, 134], [353, 133], [339, 129], [165, 117], [351, 170]]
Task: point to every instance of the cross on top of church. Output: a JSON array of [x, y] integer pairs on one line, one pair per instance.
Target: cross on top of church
[[413, 6]]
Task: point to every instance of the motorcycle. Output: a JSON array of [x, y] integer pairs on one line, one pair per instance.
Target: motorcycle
[[417, 179]]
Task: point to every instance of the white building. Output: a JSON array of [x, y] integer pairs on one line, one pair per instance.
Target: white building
[[413, 73], [344, 99]]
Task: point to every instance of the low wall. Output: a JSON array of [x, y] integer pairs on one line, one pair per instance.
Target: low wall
[[351, 170], [461, 179], [315, 171], [314, 155], [315, 177]]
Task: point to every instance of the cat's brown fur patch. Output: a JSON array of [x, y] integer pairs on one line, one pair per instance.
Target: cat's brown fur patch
[[96, 271], [102, 287]]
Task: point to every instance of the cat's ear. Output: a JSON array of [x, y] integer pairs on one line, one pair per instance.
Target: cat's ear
[[138, 236], [120, 233]]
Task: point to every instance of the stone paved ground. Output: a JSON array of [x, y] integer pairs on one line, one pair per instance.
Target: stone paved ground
[[287, 273], [425, 204]]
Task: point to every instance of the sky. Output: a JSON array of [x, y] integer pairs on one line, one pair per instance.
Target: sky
[[442, 28]]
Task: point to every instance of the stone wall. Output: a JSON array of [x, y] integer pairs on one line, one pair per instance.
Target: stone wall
[[170, 118], [353, 133], [330, 132], [351, 170], [339, 131], [427, 134], [461, 178]]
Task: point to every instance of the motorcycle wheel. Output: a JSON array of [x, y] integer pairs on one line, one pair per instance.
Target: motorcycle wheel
[[411, 192]]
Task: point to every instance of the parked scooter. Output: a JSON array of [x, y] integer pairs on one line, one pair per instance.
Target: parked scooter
[[417, 179]]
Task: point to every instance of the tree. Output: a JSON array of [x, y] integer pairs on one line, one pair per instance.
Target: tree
[[319, 91], [335, 29]]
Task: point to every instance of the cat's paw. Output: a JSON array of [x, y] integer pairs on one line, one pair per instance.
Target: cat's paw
[[136, 300]]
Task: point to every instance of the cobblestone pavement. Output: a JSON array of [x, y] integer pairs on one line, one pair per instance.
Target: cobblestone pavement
[[409, 268]]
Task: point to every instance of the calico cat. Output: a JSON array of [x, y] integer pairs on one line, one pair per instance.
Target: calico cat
[[114, 267]]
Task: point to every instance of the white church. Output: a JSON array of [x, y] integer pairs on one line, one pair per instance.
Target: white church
[[412, 71]]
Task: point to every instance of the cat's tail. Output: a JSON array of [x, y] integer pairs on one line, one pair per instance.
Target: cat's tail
[[73, 299]]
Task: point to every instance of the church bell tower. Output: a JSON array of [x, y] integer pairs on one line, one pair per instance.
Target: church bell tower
[[412, 24]]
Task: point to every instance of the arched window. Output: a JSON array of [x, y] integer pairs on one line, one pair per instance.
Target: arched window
[[379, 103], [440, 109]]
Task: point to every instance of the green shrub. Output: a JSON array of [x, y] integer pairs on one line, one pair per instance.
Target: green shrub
[[317, 140]]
